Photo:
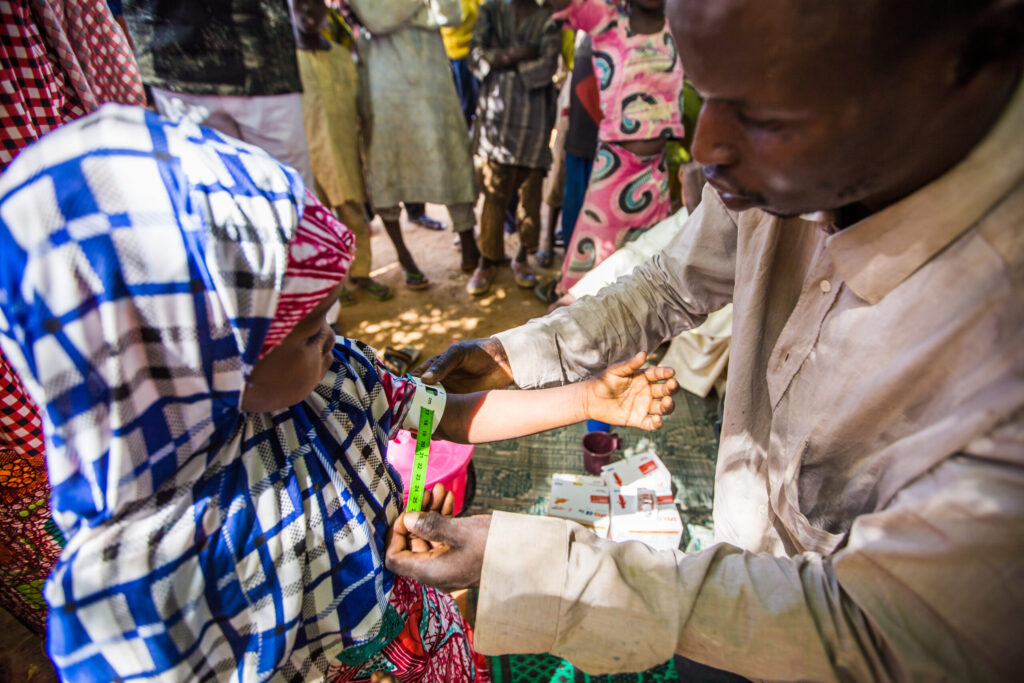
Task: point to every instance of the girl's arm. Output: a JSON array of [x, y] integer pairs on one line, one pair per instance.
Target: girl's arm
[[622, 395]]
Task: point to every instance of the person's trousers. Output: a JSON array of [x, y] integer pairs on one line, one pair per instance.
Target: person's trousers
[[272, 122], [468, 88], [577, 175], [353, 216], [500, 181]]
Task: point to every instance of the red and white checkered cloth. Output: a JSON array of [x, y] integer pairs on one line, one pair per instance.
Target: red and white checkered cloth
[[58, 61], [20, 428]]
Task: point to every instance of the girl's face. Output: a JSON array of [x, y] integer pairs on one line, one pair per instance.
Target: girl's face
[[292, 369]]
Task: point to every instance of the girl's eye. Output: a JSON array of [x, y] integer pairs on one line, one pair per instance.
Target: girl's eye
[[316, 338]]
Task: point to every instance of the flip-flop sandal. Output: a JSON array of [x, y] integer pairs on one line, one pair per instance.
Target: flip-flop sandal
[[429, 223], [416, 280], [378, 291], [398, 361], [544, 259], [545, 291]]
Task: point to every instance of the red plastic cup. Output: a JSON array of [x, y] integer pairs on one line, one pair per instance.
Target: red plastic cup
[[598, 448]]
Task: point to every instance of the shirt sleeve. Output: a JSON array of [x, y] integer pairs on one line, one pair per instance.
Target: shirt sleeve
[[537, 73], [672, 292], [592, 16], [481, 54], [927, 588]]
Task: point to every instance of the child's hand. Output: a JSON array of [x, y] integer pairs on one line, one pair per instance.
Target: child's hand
[[623, 395], [435, 500]]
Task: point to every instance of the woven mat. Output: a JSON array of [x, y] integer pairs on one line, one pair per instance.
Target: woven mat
[[515, 475]]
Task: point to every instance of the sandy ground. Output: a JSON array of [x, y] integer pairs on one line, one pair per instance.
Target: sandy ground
[[432, 319]]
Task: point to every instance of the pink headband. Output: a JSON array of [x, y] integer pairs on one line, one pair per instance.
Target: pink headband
[[318, 258]]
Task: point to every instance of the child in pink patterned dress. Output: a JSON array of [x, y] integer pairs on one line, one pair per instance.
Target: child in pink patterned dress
[[641, 82]]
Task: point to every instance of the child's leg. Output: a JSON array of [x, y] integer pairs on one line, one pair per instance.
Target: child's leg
[[414, 277], [499, 181], [528, 212]]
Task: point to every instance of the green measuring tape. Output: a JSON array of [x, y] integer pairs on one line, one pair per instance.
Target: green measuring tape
[[418, 480]]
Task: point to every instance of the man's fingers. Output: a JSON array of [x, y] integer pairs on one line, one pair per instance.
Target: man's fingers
[[422, 368], [448, 507], [430, 526], [665, 406], [659, 373], [664, 390], [651, 423]]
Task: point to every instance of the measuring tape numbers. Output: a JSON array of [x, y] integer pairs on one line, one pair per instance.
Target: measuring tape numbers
[[427, 402]]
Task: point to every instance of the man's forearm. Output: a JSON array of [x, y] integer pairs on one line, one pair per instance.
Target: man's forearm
[[669, 294]]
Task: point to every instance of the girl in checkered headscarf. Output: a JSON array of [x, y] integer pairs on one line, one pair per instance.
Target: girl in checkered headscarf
[[58, 60], [216, 456]]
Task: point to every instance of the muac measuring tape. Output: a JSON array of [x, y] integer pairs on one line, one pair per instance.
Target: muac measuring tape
[[427, 402]]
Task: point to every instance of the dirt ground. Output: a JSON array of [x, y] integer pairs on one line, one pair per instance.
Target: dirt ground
[[432, 319]]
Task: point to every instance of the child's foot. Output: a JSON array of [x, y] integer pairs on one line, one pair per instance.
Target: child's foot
[[429, 223], [523, 274], [483, 278], [416, 280]]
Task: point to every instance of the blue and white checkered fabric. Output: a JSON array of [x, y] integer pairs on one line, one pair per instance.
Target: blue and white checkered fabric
[[140, 262]]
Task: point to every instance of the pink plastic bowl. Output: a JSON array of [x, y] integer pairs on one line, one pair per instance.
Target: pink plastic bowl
[[448, 464]]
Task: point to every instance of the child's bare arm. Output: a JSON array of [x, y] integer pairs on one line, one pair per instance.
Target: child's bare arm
[[622, 395]]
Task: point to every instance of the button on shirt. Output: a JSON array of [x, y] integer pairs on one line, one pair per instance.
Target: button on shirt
[[869, 497]]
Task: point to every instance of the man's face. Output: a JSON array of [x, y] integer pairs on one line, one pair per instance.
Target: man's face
[[798, 116], [308, 15]]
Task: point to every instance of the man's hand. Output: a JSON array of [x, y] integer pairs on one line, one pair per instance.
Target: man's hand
[[625, 395], [511, 56], [456, 554], [440, 500], [474, 365]]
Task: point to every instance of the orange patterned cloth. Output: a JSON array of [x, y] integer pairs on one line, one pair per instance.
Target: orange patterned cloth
[[30, 542]]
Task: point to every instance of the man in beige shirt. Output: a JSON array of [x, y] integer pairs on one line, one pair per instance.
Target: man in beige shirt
[[869, 502]]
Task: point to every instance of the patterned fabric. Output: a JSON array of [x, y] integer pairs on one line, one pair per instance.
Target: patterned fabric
[[640, 76], [92, 50], [627, 193], [242, 47], [516, 106], [544, 668], [432, 647], [140, 262], [29, 540], [318, 258], [35, 98], [59, 60]]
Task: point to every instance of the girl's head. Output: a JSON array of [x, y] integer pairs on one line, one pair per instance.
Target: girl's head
[[297, 350]]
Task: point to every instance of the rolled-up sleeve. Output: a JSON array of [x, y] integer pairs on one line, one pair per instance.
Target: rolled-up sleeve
[[928, 588], [672, 292], [481, 54]]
